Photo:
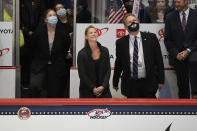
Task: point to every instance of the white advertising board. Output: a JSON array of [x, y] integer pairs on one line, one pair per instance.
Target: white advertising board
[[114, 123], [6, 47], [7, 83], [98, 118]]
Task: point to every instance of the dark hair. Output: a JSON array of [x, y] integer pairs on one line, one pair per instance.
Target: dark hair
[[45, 15], [166, 2], [124, 1], [47, 11], [59, 3]]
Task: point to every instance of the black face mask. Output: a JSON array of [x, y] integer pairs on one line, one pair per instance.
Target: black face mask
[[133, 27]]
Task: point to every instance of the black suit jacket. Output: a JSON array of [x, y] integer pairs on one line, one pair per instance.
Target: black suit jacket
[[176, 40], [39, 50], [86, 70], [152, 58]]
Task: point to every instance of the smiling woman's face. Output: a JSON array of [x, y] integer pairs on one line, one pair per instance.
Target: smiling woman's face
[[91, 35]]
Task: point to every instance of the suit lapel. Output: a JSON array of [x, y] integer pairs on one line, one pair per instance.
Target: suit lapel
[[46, 38], [55, 38], [125, 53], [127, 49], [189, 20], [178, 21], [145, 48], [54, 41]]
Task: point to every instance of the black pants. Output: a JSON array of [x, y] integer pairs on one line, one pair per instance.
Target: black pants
[[25, 69], [47, 85], [181, 68], [193, 77], [67, 82], [142, 88]]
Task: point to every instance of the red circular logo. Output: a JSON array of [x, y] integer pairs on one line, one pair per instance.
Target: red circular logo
[[4, 51], [24, 113]]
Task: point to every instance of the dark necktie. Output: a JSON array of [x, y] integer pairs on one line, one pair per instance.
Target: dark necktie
[[135, 59], [183, 23]]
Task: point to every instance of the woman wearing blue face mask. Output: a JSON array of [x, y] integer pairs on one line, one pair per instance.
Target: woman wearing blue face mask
[[64, 16], [48, 52], [61, 13]]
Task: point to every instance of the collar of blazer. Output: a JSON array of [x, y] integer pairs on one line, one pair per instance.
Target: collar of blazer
[[143, 36], [189, 19], [88, 49]]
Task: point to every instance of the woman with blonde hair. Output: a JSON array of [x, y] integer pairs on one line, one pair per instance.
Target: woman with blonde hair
[[93, 67]]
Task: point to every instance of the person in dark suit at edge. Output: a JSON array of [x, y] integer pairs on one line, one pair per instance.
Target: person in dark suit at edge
[[138, 62], [181, 42], [48, 51], [93, 67], [31, 16]]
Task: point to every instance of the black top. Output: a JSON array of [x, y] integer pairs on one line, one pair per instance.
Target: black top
[[96, 64], [65, 26], [88, 74]]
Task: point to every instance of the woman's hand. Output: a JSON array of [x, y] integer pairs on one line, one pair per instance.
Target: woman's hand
[[95, 91], [98, 91]]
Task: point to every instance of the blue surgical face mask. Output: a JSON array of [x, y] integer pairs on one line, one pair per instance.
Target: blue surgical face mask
[[52, 20], [61, 12]]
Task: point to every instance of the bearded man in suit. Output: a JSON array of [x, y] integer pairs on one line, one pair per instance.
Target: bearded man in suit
[[181, 42]]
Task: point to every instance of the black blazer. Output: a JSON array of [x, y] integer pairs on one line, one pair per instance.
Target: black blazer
[[86, 70], [152, 58], [176, 40], [39, 50]]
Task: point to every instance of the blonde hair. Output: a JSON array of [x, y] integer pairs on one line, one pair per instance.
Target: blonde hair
[[127, 15], [86, 32]]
